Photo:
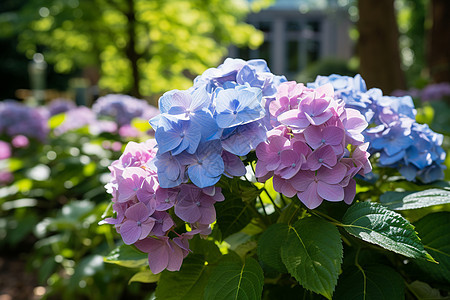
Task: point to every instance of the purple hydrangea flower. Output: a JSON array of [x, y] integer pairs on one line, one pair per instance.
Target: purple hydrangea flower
[[122, 108], [60, 105], [18, 119]]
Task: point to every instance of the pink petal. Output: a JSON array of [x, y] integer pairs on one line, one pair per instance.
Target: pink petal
[[350, 192], [317, 107], [325, 90], [137, 212], [175, 257], [333, 135], [288, 157], [158, 259], [330, 192], [147, 227], [310, 197], [313, 136], [283, 186], [333, 175], [294, 118], [302, 180], [130, 232], [320, 118]]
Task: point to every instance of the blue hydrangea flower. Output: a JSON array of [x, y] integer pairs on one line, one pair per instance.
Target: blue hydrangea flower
[[414, 149]]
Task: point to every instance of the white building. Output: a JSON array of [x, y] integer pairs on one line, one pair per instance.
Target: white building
[[300, 32]]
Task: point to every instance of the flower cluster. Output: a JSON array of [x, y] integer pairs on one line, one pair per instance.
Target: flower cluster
[[200, 134], [318, 147], [111, 113], [202, 131], [432, 92], [142, 208], [123, 108], [59, 106], [401, 142], [18, 119]]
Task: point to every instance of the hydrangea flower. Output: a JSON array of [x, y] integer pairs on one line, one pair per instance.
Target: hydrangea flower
[[18, 119], [123, 108], [402, 143], [60, 105], [307, 154]]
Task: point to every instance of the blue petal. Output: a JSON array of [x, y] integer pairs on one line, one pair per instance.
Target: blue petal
[[200, 99], [168, 135], [166, 101], [199, 178], [213, 165], [204, 122]]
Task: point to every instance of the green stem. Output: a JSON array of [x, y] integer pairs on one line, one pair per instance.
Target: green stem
[[334, 221], [362, 271]]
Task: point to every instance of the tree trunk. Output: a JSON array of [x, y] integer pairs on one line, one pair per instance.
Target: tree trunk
[[439, 41], [130, 50], [378, 47]]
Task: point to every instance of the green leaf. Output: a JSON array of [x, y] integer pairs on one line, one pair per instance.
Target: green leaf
[[127, 256], [188, 283], [56, 120], [312, 253], [144, 276], [232, 214], [269, 246], [423, 291], [206, 248], [409, 200], [434, 229], [376, 224], [372, 282], [232, 279]]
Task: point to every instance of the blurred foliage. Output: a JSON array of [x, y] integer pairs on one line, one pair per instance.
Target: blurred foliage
[[170, 40]]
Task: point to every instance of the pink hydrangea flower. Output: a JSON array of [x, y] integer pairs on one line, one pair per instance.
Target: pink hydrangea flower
[[317, 150]]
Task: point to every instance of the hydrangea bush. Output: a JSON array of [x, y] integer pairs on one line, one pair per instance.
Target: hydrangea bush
[[255, 186]]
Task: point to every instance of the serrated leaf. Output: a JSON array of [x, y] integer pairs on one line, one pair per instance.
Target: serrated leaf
[[232, 214], [127, 256], [372, 282], [187, 284], [312, 253], [378, 225], [434, 229], [269, 246], [144, 276], [233, 279], [409, 200]]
